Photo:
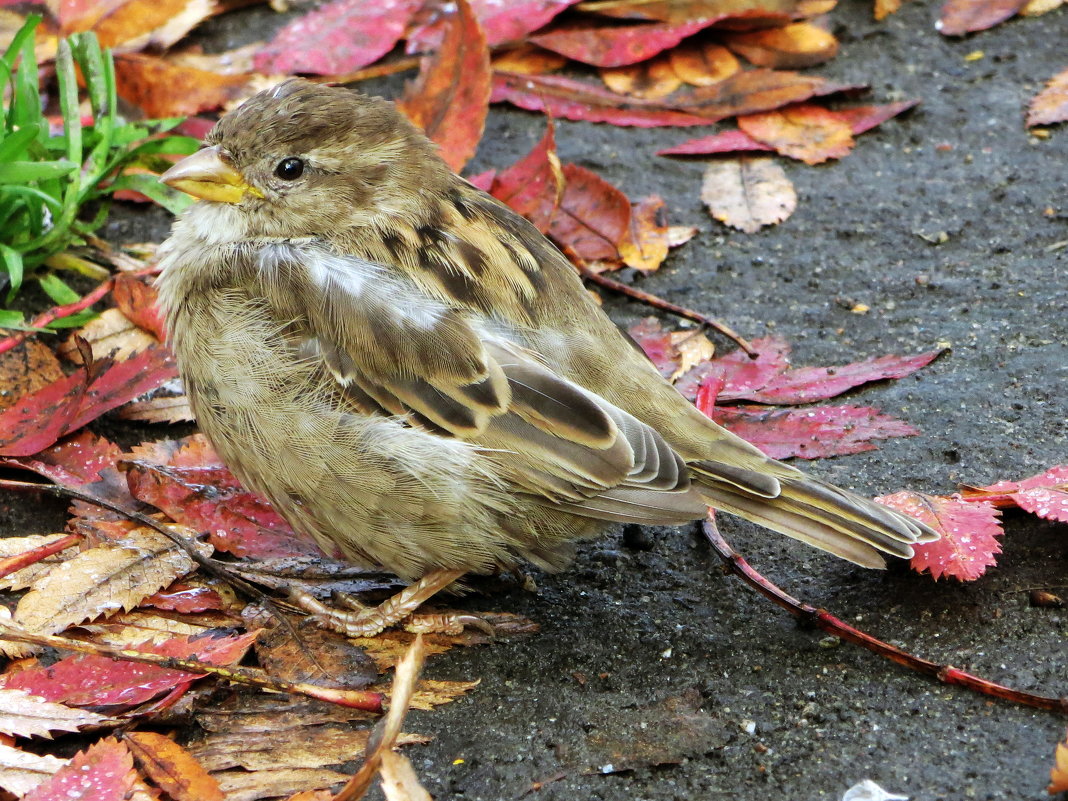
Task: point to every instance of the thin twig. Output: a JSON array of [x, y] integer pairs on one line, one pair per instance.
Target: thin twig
[[656, 302], [10, 564], [822, 619], [357, 699]]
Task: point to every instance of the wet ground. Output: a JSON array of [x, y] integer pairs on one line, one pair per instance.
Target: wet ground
[[951, 224]]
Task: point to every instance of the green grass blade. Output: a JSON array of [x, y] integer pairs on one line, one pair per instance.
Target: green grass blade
[[20, 172], [16, 142], [68, 101]]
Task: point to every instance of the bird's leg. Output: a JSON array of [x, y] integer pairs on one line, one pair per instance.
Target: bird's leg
[[367, 621]]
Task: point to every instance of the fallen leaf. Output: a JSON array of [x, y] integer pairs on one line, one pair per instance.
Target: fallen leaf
[[809, 433], [503, 22], [99, 581], [172, 768], [533, 185], [723, 142], [1045, 495], [26, 368], [959, 17], [110, 335], [399, 782], [138, 627], [795, 46], [754, 91], [161, 88], [21, 771], [884, 8], [98, 681], [192, 595], [649, 80], [102, 772], [1058, 774], [1036, 8], [601, 45], [864, 118], [571, 99], [242, 785], [83, 460], [806, 132], [161, 405], [450, 98], [318, 657], [678, 11], [130, 25], [748, 193], [528, 60], [968, 545], [14, 546], [138, 302], [338, 37], [25, 715], [703, 63], [645, 244], [1050, 106], [592, 217]]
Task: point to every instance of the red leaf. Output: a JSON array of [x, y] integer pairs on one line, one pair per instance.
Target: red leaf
[[1050, 106], [811, 433], [967, 16], [450, 98], [483, 181], [162, 88], [533, 185], [137, 301], [83, 460], [576, 100], [503, 22], [338, 37], [102, 772], [968, 545], [186, 598], [657, 344], [753, 91], [211, 499], [725, 142], [91, 680], [770, 379], [604, 45], [1045, 495], [37, 420], [593, 215], [864, 118]]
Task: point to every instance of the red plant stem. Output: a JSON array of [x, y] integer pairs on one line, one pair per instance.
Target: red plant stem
[[656, 301], [10, 564], [822, 619]]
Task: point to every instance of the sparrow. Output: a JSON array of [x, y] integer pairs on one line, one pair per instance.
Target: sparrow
[[411, 372]]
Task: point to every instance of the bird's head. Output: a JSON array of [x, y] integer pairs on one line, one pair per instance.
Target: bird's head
[[302, 158]]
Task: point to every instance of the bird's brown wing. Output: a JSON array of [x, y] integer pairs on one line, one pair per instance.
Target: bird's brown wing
[[393, 348]]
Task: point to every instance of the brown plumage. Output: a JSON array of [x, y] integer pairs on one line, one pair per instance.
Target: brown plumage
[[410, 370]]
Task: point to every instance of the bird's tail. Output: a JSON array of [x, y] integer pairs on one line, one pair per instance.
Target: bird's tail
[[829, 518]]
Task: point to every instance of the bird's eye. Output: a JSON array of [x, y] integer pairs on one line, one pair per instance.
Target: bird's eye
[[289, 169]]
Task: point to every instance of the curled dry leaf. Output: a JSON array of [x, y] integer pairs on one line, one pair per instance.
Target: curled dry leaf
[[1051, 104], [795, 46], [337, 37], [172, 768], [645, 244], [593, 215], [753, 91], [533, 185], [528, 59], [959, 17], [26, 715], [129, 25], [809, 133], [1036, 8], [21, 771], [242, 785], [111, 334], [103, 772], [649, 80], [399, 782], [968, 545], [748, 193], [678, 11], [606, 45], [884, 8], [703, 64], [502, 22], [1058, 774], [450, 98]]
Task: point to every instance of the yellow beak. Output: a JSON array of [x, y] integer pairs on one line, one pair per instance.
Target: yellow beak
[[206, 175]]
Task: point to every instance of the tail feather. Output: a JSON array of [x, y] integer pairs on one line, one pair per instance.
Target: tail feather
[[823, 516]]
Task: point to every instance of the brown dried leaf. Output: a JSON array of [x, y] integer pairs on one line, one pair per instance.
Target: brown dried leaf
[[748, 193], [959, 17], [1051, 104], [884, 8], [318, 657], [26, 368], [129, 629], [795, 46], [678, 11], [162, 88], [25, 715], [645, 245], [430, 693], [241, 785], [399, 782], [1036, 8], [703, 64], [593, 215], [161, 407], [1058, 774], [172, 768], [137, 24], [649, 80], [256, 713], [809, 133], [21, 771], [110, 334], [103, 580], [13, 546]]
